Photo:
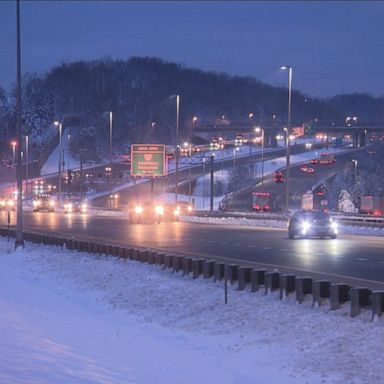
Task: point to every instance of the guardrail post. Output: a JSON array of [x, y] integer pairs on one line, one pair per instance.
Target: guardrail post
[[231, 272], [218, 271], [151, 257], [360, 298], [177, 263], [272, 281], [244, 277], [339, 295], [257, 279], [303, 286], [320, 290], [287, 285], [143, 256], [168, 261], [208, 267], [377, 304], [187, 265], [159, 258], [197, 268]]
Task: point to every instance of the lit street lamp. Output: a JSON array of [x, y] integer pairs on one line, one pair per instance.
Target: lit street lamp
[[60, 125], [289, 69], [354, 161], [110, 136], [26, 165]]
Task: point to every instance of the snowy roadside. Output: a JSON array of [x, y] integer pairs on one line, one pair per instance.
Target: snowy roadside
[[69, 317]]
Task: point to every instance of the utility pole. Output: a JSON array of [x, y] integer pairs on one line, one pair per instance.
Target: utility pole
[[19, 241]]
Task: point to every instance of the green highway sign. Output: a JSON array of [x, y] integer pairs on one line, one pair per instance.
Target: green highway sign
[[148, 160]]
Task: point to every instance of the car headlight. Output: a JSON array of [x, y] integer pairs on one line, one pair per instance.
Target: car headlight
[[189, 208], [305, 225], [36, 203], [176, 212], [83, 207], [139, 210], [334, 225], [11, 203], [68, 207], [52, 203], [159, 209]]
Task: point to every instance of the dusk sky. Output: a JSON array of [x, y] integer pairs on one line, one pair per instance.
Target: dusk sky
[[333, 47]]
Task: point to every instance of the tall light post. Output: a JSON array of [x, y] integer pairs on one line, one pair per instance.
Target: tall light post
[[194, 119], [110, 137], [258, 129], [354, 161], [60, 125], [189, 146], [177, 145], [19, 241], [26, 165], [234, 157], [289, 69]]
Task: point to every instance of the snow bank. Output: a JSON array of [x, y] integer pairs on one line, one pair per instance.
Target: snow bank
[[69, 317]]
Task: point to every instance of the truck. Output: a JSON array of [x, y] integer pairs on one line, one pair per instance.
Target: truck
[[372, 205], [327, 158], [317, 199], [260, 201], [307, 201]]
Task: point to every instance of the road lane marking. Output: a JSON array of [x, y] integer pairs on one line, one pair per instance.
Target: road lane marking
[[266, 248], [361, 259]]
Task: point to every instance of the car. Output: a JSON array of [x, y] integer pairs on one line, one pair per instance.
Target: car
[[43, 203], [312, 224], [7, 203], [146, 212], [306, 169], [314, 161], [279, 178], [75, 205]]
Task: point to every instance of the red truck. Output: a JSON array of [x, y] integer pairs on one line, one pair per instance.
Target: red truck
[[260, 201], [372, 205]]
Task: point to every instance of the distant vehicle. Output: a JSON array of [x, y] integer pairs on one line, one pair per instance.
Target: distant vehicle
[[314, 161], [43, 203], [216, 143], [372, 205], [327, 158], [173, 211], [7, 203], [240, 139], [260, 201], [75, 205], [306, 169], [146, 212], [279, 177], [312, 224]]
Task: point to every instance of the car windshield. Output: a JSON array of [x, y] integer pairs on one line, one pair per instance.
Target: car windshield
[[313, 216]]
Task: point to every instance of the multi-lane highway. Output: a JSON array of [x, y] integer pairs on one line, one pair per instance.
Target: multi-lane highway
[[353, 256]]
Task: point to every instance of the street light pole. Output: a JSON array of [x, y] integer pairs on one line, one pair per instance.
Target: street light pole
[[262, 159], [289, 68], [26, 166], [110, 137], [19, 241], [177, 146], [59, 124]]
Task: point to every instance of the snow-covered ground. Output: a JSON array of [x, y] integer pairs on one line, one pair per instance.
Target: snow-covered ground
[[69, 317]]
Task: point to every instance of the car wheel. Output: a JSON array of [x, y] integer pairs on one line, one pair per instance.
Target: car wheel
[[291, 235]]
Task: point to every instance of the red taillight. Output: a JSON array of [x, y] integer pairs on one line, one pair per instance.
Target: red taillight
[[377, 213], [266, 208], [320, 193]]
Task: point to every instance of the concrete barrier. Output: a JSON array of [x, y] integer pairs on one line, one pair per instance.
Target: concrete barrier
[[218, 271], [287, 285], [135, 254], [272, 281], [360, 298], [339, 294], [257, 279], [177, 263], [377, 304], [231, 271], [208, 266], [197, 268], [303, 286], [243, 277], [320, 291]]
